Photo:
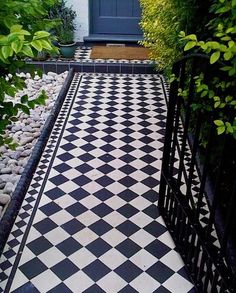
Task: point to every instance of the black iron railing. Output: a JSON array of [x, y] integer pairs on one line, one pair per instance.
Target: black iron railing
[[198, 181]]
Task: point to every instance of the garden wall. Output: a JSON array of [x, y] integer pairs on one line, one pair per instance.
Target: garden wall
[[82, 22]]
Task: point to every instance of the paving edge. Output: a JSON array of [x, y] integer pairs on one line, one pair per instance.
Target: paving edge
[[8, 219]]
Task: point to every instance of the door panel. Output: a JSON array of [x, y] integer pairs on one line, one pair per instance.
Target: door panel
[[116, 17]]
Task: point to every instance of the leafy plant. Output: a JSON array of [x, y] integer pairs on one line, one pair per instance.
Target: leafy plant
[[221, 47], [20, 38], [66, 15], [162, 20]]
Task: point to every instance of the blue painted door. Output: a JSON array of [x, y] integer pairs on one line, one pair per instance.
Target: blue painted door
[[116, 17]]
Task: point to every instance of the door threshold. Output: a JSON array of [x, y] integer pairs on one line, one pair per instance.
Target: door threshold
[[113, 38]]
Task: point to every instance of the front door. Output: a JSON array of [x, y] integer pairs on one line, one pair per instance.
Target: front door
[[116, 17]]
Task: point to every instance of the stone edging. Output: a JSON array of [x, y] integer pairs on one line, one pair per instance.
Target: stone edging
[[12, 210]]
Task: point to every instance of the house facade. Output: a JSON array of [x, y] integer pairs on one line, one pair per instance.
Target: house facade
[[113, 20]]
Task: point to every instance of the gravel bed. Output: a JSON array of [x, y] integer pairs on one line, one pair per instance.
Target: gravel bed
[[26, 131]]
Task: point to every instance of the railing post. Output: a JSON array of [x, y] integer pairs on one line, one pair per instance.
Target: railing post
[[168, 136]]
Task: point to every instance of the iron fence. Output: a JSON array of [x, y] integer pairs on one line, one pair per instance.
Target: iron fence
[[197, 195]]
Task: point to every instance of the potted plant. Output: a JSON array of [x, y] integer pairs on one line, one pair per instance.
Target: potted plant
[[65, 30]]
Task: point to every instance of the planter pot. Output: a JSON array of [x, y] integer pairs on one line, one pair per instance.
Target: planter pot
[[67, 51]]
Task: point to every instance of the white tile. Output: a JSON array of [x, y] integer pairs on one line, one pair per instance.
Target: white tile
[[51, 257], [141, 219], [142, 238], [85, 236], [57, 235], [19, 280], [79, 282], [143, 259], [113, 237], [115, 202], [140, 203], [113, 258], [45, 281], [88, 218], [173, 260], [26, 255], [114, 219], [111, 283], [177, 283], [82, 258], [61, 217], [145, 284], [90, 201], [65, 201], [167, 240]]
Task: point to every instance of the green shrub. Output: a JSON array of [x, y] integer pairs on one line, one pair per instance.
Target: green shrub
[[23, 33], [162, 20], [220, 46]]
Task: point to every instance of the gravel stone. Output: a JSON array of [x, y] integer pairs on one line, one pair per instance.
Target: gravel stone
[[26, 131]]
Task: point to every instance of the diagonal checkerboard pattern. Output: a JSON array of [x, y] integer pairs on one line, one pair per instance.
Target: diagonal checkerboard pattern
[[94, 225]]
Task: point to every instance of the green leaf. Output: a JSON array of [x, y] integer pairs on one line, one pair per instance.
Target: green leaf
[[228, 55], [24, 99], [17, 46], [215, 57], [7, 51], [37, 45], [189, 45], [41, 34], [27, 51], [218, 122], [220, 129], [16, 28]]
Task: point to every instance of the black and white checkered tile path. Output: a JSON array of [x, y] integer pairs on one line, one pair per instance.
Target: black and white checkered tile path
[[89, 222]]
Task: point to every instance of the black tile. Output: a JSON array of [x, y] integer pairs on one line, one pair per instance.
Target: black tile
[[62, 67], [64, 269], [39, 245], [96, 270], [98, 247], [103, 194], [26, 288], [49, 67], [61, 288], [79, 193], [127, 228], [114, 68], [62, 168], [101, 68], [126, 69], [128, 195], [128, 248], [100, 227], [128, 271], [69, 246], [139, 69], [94, 289], [76, 209], [160, 272], [33, 268], [128, 210], [88, 68], [162, 289], [128, 289], [73, 226], [155, 228], [50, 208], [58, 180], [157, 248], [45, 226], [102, 210]]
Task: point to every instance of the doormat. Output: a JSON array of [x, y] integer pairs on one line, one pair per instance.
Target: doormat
[[127, 53]]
